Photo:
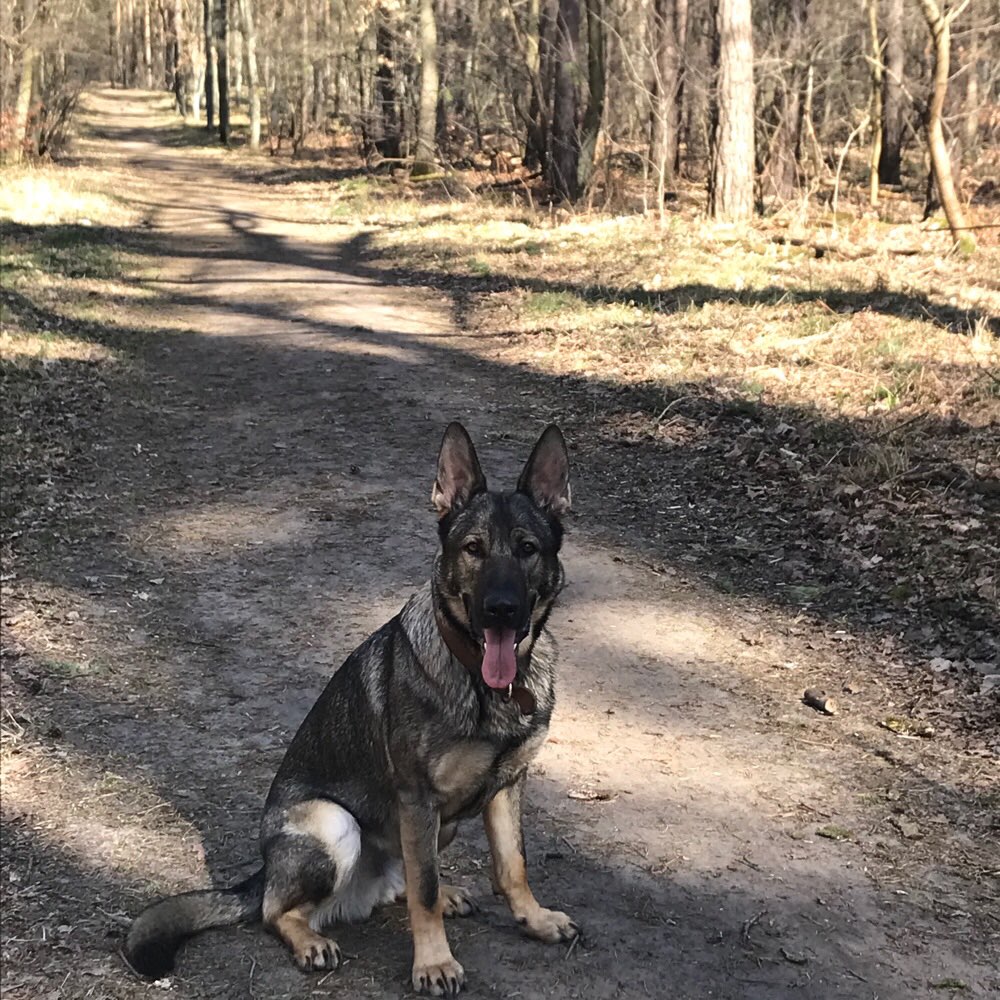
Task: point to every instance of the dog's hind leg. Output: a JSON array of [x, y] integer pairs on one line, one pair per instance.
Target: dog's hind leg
[[312, 856]]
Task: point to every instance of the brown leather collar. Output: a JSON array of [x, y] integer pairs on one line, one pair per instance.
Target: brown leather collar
[[461, 646], [468, 654]]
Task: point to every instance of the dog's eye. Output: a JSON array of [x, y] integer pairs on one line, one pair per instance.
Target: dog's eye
[[474, 547], [528, 548]]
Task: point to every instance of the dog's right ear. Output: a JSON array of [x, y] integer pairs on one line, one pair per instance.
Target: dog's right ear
[[459, 477]]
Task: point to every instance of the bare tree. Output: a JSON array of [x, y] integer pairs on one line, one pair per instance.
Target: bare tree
[[669, 42], [26, 78], [564, 158], [211, 68], [596, 84], [890, 153], [253, 81], [222, 50], [940, 28], [875, 68], [730, 184], [426, 150]]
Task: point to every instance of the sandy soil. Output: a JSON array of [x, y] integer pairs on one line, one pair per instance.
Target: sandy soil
[[264, 504]]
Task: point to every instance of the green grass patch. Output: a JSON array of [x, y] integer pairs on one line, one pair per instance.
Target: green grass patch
[[550, 303]]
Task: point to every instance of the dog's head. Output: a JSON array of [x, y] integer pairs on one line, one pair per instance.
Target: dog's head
[[499, 572]]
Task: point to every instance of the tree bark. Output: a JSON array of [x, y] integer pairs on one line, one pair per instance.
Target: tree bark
[[424, 160], [25, 83], [781, 170], [875, 69], [305, 81], [222, 50], [534, 142], [596, 85], [387, 100], [940, 29], [891, 152], [117, 61], [565, 154], [970, 127], [147, 47], [670, 36], [731, 174], [253, 81], [210, 65]]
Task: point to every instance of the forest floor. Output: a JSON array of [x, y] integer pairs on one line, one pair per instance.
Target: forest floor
[[224, 381]]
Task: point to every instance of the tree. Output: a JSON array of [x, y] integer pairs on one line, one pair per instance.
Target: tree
[[939, 25], [781, 171], [596, 84], [222, 48], [890, 154], [669, 43], [875, 67], [424, 162], [564, 157], [211, 66], [388, 113], [253, 81], [26, 79], [731, 172]]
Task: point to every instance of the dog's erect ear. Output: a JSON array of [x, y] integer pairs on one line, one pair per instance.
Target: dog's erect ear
[[546, 474], [459, 476]]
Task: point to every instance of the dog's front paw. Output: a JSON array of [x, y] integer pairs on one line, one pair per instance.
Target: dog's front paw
[[550, 926], [316, 953], [455, 901], [440, 979]]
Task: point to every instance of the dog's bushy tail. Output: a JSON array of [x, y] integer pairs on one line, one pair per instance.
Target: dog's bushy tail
[[157, 933]]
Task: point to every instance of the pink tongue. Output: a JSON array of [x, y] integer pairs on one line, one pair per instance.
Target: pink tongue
[[500, 657]]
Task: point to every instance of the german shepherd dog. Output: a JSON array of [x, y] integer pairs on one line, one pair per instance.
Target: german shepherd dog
[[433, 719]]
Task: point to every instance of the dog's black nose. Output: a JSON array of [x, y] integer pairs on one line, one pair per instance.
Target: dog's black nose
[[501, 608]]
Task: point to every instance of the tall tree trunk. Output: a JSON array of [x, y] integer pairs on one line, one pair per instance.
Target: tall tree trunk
[[211, 72], [427, 106], [730, 185], [131, 48], [891, 152], [25, 82], [565, 154], [237, 57], [390, 135], [253, 82], [534, 142], [970, 127], [147, 47], [940, 29], [875, 69], [222, 50], [305, 81], [117, 61], [669, 38], [596, 84], [781, 173]]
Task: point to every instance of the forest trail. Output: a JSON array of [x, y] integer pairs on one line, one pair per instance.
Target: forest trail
[[269, 507]]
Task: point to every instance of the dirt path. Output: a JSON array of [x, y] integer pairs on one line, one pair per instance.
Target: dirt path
[[266, 506]]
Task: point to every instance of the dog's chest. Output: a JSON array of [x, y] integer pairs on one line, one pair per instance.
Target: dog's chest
[[467, 775]]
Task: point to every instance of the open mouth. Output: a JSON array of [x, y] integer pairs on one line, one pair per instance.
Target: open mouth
[[500, 655]]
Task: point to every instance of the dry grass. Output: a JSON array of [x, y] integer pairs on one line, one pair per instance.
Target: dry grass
[[749, 316], [53, 194]]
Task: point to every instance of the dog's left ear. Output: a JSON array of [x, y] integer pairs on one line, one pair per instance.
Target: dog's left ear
[[546, 474], [459, 476]]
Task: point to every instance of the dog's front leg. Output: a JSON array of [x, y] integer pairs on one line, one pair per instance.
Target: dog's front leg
[[434, 968], [510, 875]]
